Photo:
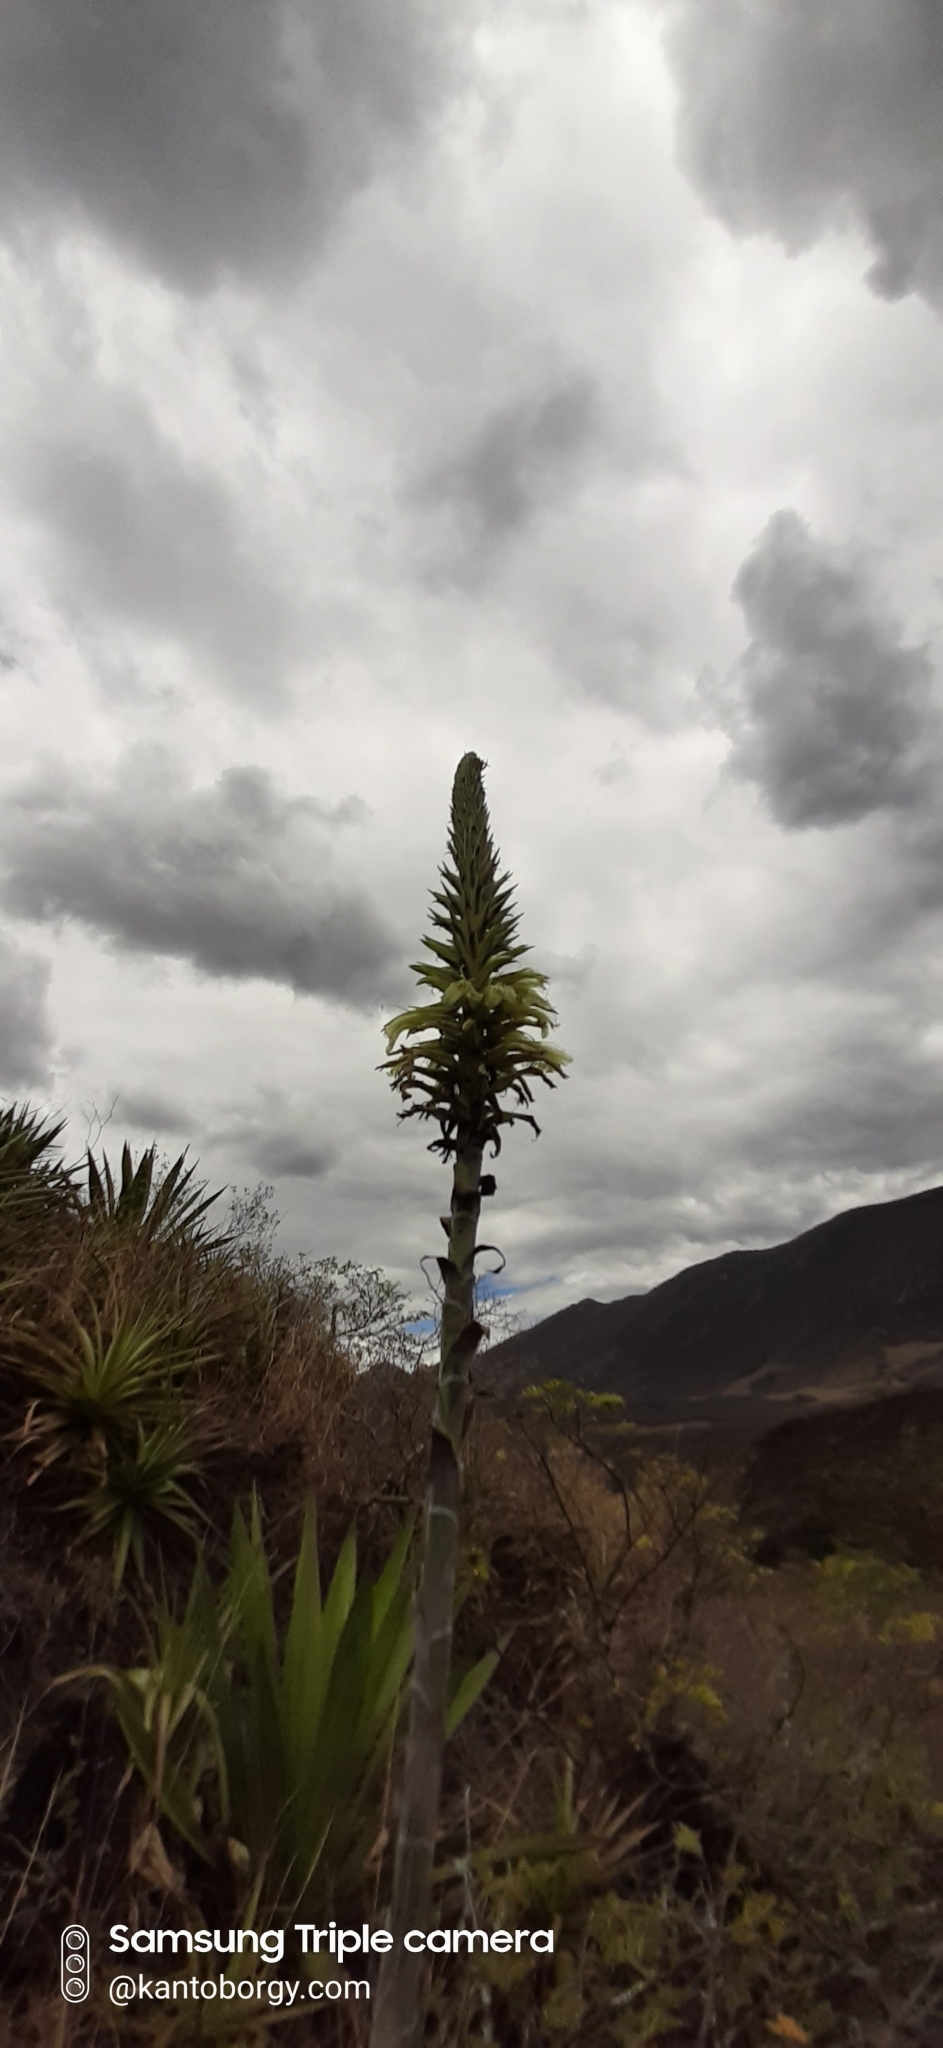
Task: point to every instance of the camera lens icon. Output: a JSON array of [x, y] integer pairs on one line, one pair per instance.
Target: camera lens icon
[[74, 1977]]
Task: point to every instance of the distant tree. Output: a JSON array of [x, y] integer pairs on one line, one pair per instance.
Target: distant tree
[[466, 1061]]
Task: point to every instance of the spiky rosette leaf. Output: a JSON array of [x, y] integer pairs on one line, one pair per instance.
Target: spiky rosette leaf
[[481, 1042]]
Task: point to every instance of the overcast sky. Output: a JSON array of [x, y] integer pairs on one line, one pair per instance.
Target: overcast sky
[[562, 380]]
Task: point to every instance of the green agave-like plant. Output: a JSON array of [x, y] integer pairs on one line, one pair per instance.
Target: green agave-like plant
[[108, 1404], [165, 1208], [140, 1491], [322, 1711], [26, 1140], [466, 1060], [98, 1388], [270, 1752], [33, 1182], [267, 1750]]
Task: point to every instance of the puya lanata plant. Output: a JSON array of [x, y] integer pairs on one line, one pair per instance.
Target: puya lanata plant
[[465, 1060]]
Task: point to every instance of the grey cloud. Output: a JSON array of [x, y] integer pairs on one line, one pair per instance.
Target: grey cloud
[[871, 1105], [521, 454], [857, 1118], [613, 771], [153, 1113], [568, 970], [272, 1137], [834, 719], [25, 1037], [796, 117], [284, 1155], [136, 533], [235, 879], [211, 138]]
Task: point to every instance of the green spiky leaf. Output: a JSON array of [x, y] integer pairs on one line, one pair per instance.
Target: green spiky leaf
[[167, 1208]]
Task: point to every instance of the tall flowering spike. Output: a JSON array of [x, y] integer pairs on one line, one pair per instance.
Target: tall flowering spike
[[456, 1060], [483, 1036]]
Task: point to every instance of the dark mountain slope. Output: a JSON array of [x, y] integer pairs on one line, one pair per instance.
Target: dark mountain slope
[[849, 1310]]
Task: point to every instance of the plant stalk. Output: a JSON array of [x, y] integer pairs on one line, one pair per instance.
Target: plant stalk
[[399, 2009]]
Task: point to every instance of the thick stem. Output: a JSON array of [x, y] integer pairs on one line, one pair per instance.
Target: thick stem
[[399, 2010]]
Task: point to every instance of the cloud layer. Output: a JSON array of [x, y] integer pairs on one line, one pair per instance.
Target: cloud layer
[[25, 1035], [834, 719], [276, 1139], [796, 117], [519, 457], [140, 537], [235, 879], [211, 139]]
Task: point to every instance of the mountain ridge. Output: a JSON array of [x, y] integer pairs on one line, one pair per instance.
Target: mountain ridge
[[849, 1309]]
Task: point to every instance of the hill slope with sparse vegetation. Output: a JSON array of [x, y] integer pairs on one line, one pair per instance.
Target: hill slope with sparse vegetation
[[714, 1768]]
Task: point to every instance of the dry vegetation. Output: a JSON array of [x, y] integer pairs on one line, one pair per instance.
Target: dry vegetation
[[722, 1784]]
